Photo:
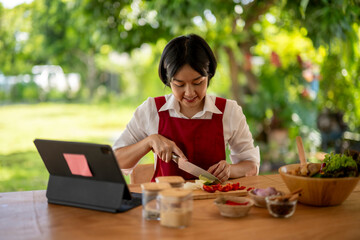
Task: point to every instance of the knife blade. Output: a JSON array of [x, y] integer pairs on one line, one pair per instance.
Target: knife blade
[[193, 169]]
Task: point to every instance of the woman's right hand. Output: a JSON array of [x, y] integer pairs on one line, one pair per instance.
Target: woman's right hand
[[164, 148]]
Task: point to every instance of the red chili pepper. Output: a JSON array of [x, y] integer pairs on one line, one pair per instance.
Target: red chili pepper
[[229, 202], [242, 188], [249, 189]]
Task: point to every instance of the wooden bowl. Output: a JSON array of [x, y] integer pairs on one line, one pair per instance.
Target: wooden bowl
[[318, 191]]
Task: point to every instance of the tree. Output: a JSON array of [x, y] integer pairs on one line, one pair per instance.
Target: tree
[[73, 33], [15, 52]]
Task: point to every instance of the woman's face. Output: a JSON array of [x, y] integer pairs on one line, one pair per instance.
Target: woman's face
[[189, 88]]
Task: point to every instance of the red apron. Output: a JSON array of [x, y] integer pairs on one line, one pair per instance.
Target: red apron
[[201, 140]]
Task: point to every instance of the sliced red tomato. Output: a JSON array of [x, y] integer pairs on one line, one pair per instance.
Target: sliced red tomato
[[225, 188], [230, 186], [221, 187], [216, 186], [235, 186], [208, 189]]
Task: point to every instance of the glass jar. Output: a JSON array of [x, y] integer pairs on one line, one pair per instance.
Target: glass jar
[[150, 191], [176, 207], [280, 208], [175, 181]]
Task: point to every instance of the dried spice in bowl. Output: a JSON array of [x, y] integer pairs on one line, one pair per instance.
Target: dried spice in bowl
[[282, 206]]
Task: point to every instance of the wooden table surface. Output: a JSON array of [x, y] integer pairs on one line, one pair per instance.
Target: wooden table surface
[[27, 215]]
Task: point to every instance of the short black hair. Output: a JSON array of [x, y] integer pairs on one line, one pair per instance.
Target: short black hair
[[188, 49]]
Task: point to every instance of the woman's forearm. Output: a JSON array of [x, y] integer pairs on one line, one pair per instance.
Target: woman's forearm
[[128, 156], [242, 169]]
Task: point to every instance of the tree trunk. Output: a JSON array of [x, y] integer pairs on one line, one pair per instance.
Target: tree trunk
[[254, 10], [91, 75], [252, 81], [234, 71], [91, 71]]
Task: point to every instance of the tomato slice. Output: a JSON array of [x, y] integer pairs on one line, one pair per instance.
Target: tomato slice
[[225, 188], [216, 186], [235, 186], [208, 189]]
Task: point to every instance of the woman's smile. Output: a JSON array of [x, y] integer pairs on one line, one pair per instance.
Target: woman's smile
[[190, 99]]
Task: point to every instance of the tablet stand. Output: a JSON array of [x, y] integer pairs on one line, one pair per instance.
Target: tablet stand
[[86, 193]]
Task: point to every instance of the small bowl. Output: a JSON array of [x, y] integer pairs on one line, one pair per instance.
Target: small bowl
[[233, 211], [260, 201], [280, 209]]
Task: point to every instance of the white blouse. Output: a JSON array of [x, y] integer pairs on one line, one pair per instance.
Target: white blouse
[[237, 135]]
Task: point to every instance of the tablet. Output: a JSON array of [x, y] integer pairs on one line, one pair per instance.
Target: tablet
[[85, 175]]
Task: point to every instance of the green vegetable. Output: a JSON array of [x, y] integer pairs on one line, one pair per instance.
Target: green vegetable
[[205, 180], [339, 165]]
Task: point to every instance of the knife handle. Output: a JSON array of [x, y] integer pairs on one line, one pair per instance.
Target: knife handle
[[175, 157]]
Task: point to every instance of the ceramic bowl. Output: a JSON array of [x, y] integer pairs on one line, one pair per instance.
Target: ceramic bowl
[[233, 211], [318, 191], [259, 201]]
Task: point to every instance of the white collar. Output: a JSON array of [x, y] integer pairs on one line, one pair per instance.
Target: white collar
[[173, 104]]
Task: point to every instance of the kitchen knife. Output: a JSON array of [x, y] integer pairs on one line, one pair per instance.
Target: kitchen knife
[[193, 169]]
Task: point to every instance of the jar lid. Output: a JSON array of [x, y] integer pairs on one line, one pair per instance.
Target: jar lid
[[152, 186], [175, 193], [170, 179]]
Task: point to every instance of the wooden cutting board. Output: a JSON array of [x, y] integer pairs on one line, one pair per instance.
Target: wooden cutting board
[[201, 194]]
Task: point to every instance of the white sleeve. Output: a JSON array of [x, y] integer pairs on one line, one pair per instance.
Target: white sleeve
[[241, 143], [144, 122]]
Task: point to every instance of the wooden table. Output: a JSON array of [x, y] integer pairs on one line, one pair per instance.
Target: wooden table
[[27, 215]]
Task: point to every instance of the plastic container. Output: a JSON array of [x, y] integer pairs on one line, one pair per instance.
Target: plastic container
[[150, 191], [176, 207], [174, 181]]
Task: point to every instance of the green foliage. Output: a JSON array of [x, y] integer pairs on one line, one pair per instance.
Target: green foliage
[[25, 91], [15, 57], [337, 95], [326, 20]]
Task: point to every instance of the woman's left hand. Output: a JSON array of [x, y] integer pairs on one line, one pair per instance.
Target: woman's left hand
[[221, 170]]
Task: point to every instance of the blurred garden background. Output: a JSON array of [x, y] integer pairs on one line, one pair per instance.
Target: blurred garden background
[[77, 69]]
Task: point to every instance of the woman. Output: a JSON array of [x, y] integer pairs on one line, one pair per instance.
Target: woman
[[189, 123]]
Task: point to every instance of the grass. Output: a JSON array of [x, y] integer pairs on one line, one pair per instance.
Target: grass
[[21, 167]]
